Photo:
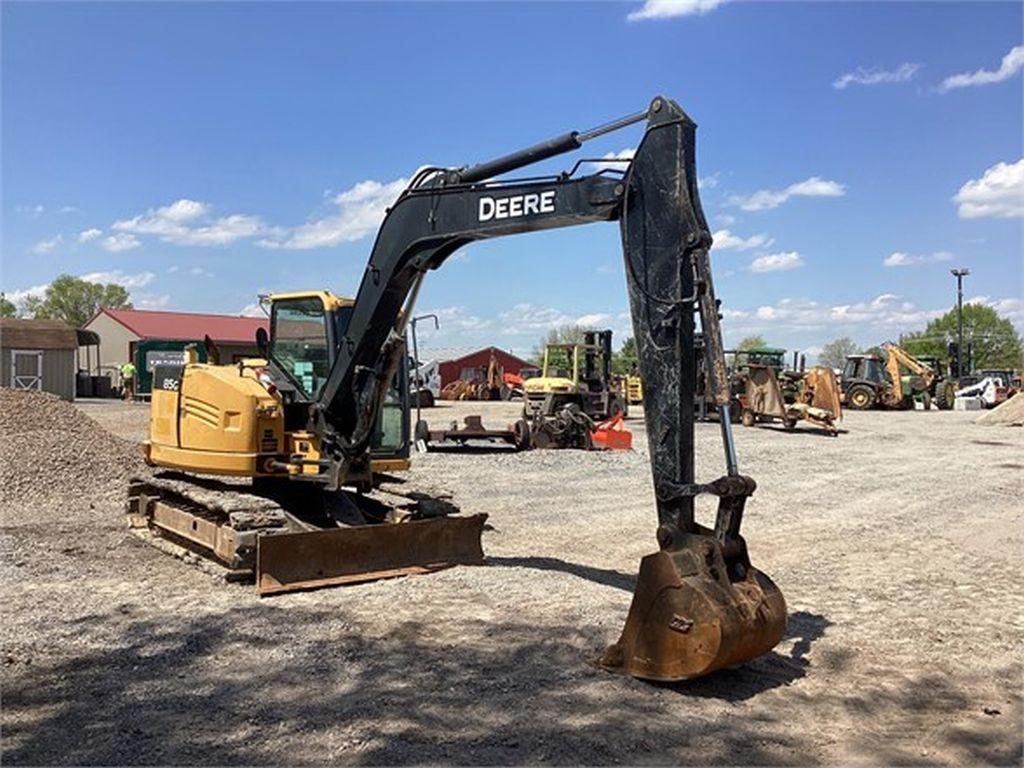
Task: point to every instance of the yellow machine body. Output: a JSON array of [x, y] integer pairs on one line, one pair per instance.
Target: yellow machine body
[[634, 389], [554, 379], [222, 420]]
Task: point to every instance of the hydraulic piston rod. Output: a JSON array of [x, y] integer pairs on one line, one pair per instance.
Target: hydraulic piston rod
[[717, 374], [559, 145]]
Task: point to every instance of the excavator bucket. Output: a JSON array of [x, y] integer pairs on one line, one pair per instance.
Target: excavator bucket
[[288, 562], [693, 615]]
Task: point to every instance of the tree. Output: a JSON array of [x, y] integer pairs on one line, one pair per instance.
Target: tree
[[994, 341], [563, 334], [7, 308], [833, 354], [626, 359], [74, 300], [751, 342]]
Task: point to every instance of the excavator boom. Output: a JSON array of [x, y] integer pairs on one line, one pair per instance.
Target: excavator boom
[[699, 604]]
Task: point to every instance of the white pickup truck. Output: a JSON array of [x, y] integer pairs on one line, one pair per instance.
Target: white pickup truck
[[424, 383]]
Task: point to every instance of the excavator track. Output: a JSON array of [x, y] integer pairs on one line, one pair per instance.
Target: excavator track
[[290, 541]]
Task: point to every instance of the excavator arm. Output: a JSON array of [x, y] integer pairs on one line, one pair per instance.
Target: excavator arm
[[699, 603], [897, 356]]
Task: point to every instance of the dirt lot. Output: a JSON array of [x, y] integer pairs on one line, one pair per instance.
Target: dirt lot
[[896, 546]]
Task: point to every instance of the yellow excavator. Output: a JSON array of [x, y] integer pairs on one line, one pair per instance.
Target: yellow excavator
[[268, 465]]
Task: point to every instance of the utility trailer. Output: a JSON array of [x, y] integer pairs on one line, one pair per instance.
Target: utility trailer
[[473, 430]]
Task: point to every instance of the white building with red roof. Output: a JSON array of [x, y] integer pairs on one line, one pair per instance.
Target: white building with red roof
[[120, 330]]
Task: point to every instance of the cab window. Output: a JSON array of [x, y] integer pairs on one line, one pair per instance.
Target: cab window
[[874, 370], [298, 342]]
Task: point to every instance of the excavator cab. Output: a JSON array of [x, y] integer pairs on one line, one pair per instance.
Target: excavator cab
[[305, 331]]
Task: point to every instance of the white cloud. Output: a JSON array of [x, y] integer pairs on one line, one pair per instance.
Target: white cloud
[[1012, 309], [120, 278], [48, 246], [605, 269], [886, 310], [458, 319], [201, 272], [623, 156], [1010, 65], [999, 193], [902, 259], [187, 222], [89, 234], [594, 320], [708, 182], [777, 262], [615, 160], [621, 159], [725, 240], [861, 76], [725, 219], [120, 242], [359, 213], [765, 199], [667, 9], [151, 301], [526, 318], [69, 209], [32, 211], [17, 298], [253, 309]]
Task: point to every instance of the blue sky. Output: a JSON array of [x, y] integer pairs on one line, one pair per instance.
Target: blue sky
[[850, 153]]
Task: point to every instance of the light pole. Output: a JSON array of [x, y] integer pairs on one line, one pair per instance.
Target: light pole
[[959, 274]]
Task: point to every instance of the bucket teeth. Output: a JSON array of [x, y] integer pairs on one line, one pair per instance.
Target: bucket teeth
[[685, 622]]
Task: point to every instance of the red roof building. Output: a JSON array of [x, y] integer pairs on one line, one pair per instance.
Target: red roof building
[[473, 366], [186, 326], [121, 329]]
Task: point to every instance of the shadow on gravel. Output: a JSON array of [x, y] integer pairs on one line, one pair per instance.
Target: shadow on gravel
[[297, 685], [472, 448], [770, 671], [812, 431], [605, 576]]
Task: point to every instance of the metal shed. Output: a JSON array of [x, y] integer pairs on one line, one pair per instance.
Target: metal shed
[[39, 355]]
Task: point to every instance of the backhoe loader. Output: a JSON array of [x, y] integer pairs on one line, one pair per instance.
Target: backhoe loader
[[870, 382], [308, 418]]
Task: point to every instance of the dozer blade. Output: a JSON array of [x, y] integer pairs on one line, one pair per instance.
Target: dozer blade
[[688, 619], [287, 562]]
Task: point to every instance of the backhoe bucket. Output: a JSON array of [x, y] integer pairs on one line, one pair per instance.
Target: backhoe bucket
[[689, 618], [292, 561]]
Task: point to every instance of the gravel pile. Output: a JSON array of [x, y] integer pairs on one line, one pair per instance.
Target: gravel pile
[[49, 448], [1008, 414]]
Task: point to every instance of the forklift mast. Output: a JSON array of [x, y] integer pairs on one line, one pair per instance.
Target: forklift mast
[[598, 356]]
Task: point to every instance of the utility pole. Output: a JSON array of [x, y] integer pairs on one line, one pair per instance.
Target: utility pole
[[960, 274]]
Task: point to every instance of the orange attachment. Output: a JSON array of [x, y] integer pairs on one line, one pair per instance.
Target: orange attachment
[[612, 434]]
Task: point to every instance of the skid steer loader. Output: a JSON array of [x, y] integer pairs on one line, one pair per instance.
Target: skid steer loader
[[309, 417]]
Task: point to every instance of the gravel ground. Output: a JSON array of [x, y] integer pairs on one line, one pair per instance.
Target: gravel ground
[[895, 545]]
